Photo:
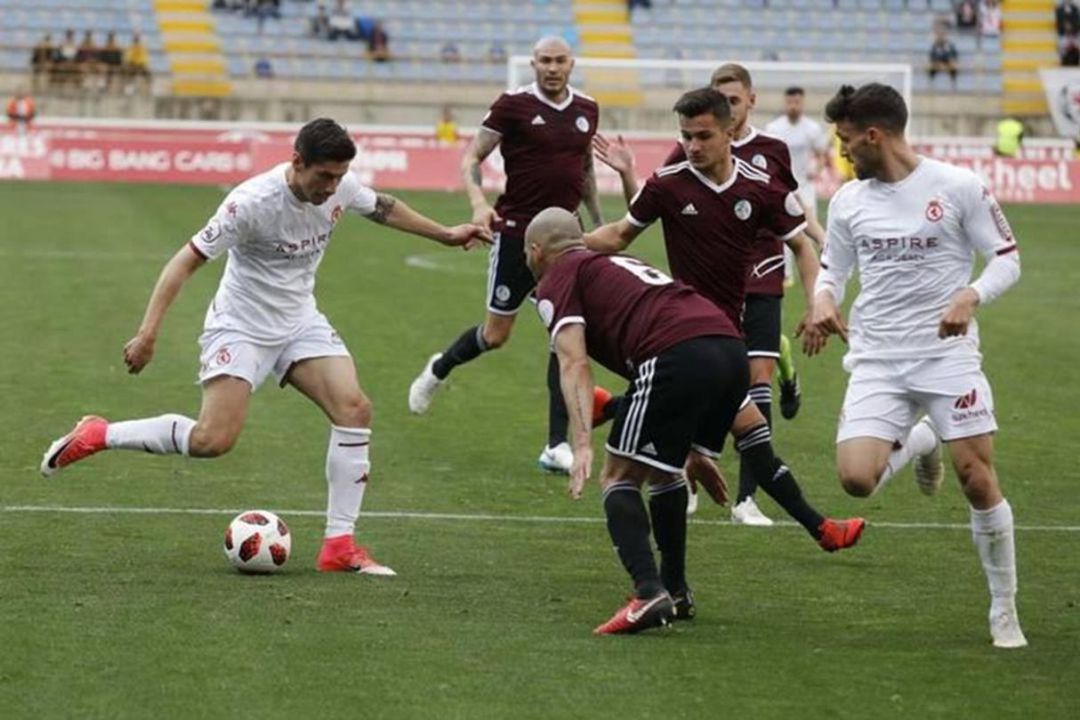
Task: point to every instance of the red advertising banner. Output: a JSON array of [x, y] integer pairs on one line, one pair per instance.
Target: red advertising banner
[[216, 153]]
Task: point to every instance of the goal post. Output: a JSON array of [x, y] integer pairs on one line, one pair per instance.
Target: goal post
[[638, 90]]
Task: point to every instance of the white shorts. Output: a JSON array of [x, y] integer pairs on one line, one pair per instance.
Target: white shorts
[[230, 352], [886, 397]]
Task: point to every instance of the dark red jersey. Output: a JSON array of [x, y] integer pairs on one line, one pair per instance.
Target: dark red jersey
[[544, 147], [770, 154], [711, 231], [631, 311]]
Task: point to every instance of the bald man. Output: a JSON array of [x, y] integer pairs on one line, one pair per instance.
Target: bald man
[[688, 374], [544, 131]]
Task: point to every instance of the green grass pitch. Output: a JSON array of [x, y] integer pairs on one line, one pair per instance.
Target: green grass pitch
[[107, 615]]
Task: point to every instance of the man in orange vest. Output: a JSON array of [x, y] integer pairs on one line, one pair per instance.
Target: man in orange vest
[[21, 110]]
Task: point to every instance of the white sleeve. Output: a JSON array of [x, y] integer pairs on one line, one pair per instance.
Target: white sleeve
[[988, 231], [821, 138], [360, 198], [839, 257], [227, 228]]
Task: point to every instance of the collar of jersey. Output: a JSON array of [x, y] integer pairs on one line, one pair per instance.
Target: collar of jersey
[[535, 90], [749, 136], [892, 187], [710, 184]]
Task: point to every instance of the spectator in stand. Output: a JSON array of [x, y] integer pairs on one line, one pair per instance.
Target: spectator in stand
[[137, 64], [967, 15], [450, 52], [1069, 47], [989, 18], [21, 110], [65, 68], [1066, 12], [320, 22], [497, 53], [633, 5], [87, 60], [446, 131], [379, 43], [342, 22], [42, 59], [112, 59], [263, 68], [943, 56]]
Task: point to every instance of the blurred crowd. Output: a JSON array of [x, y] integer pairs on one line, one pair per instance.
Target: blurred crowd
[[87, 65]]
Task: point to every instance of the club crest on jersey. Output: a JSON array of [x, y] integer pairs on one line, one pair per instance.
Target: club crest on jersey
[[582, 123], [231, 209], [211, 232], [759, 161], [743, 210], [336, 214], [934, 211], [546, 311]]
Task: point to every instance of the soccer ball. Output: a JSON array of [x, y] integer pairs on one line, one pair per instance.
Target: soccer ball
[[257, 541]]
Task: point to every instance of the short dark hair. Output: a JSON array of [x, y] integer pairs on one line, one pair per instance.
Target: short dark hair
[[323, 140], [701, 101], [732, 72], [873, 104], [794, 90]]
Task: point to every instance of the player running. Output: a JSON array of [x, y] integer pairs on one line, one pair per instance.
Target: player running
[[911, 226], [543, 131], [765, 282], [275, 228], [714, 208], [688, 374]]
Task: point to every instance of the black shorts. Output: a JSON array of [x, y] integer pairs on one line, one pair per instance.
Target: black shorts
[[509, 281], [761, 325], [685, 398]]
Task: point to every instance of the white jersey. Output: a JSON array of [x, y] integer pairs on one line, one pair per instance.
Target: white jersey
[[806, 139], [914, 245], [275, 244]]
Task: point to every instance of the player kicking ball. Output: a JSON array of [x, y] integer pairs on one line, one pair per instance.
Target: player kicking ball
[[688, 375], [911, 226], [275, 228]]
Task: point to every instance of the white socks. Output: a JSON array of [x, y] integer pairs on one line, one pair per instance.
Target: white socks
[[347, 467], [919, 441], [162, 435], [992, 531]]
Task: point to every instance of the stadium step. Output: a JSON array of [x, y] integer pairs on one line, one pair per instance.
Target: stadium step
[[189, 35], [1028, 42], [605, 32]]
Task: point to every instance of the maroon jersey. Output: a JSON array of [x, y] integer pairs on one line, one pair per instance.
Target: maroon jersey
[[631, 311], [544, 148], [771, 154], [711, 231]]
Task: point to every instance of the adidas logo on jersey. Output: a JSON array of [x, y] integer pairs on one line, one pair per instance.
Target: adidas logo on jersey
[[689, 209], [538, 121], [649, 449]]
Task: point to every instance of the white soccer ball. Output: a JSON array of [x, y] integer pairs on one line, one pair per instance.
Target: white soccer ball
[[257, 541]]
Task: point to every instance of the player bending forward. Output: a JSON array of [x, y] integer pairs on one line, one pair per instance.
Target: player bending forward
[[911, 226], [276, 227], [688, 372]]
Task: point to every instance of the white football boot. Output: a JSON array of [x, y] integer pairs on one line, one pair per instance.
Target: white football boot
[[930, 468], [748, 513], [557, 459], [423, 388], [1005, 626], [691, 503]]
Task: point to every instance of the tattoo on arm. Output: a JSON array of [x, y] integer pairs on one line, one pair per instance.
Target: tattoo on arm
[[384, 205]]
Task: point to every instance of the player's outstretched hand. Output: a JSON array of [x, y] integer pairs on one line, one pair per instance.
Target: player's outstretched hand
[[138, 351], [486, 216], [580, 471], [468, 236], [616, 155], [702, 472], [958, 315], [825, 320]]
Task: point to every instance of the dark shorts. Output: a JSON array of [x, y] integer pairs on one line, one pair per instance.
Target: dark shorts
[[685, 398], [509, 281], [761, 325]]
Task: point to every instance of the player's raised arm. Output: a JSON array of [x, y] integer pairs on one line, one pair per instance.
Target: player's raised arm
[[396, 214], [139, 350], [590, 198], [482, 145], [576, 380], [619, 157], [613, 237]]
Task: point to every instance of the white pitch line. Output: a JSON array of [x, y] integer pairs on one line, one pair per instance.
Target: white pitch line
[[470, 517], [434, 261]]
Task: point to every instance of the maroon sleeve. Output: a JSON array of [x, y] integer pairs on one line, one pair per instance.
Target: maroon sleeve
[[784, 214], [558, 298], [646, 206], [677, 155], [784, 175], [499, 116]]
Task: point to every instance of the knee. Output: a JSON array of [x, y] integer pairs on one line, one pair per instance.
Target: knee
[[209, 442], [977, 478], [857, 483], [495, 338], [354, 410]]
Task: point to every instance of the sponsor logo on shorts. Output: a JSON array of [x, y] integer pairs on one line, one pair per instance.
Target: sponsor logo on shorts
[[934, 211], [502, 294], [968, 408], [743, 210], [964, 402]]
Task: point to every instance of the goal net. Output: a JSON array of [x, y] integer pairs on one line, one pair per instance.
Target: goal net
[[639, 93]]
